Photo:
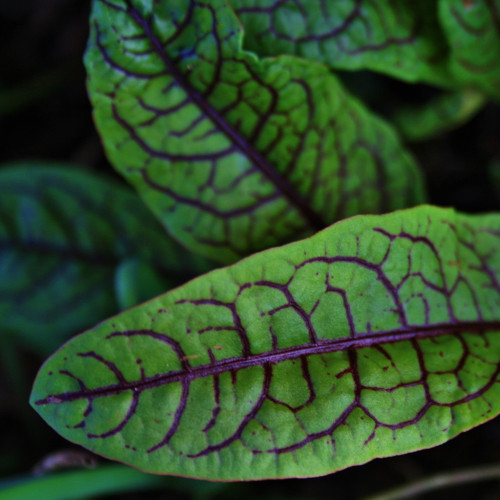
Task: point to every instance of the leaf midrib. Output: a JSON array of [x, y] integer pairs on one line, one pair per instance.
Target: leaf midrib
[[294, 197], [239, 363]]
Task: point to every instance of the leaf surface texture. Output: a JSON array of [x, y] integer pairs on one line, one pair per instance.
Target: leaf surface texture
[[377, 336], [450, 43], [401, 39], [234, 153]]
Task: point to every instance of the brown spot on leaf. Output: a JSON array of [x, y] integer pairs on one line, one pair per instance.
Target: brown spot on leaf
[[192, 356]]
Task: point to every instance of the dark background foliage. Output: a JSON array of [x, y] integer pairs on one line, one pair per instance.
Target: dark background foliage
[[45, 114]]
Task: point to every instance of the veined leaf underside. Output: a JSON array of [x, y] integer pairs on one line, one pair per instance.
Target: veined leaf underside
[[201, 101], [233, 153], [339, 354]]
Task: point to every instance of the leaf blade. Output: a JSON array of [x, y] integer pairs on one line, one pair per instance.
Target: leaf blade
[[233, 153], [442, 114], [359, 342], [63, 233], [402, 40]]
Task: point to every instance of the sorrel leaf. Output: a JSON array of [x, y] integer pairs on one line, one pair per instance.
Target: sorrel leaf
[[401, 39], [233, 153], [473, 32], [65, 236], [375, 337], [448, 43]]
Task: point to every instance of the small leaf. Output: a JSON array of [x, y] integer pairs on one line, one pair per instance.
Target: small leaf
[[234, 153], [441, 114], [401, 39], [137, 281], [378, 336], [472, 28], [64, 232]]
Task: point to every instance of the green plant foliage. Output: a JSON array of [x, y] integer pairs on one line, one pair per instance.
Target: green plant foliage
[[79, 484], [234, 153], [472, 28], [105, 479], [441, 114], [401, 39], [377, 336], [451, 43], [136, 281], [69, 241]]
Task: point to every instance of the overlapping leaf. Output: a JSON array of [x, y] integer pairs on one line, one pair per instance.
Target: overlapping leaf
[[377, 336], [402, 39], [451, 43], [69, 241], [233, 153]]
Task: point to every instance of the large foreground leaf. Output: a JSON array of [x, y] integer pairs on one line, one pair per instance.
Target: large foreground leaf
[[234, 154], [377, 336], [70, 243]]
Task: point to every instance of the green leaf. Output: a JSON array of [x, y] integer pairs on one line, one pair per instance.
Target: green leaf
[[442, 114], [81, 484], [401, 39], [234, 153], [106, 480], [65, 233], [472, 28], [378, 336], [451, 43], [137, 281]]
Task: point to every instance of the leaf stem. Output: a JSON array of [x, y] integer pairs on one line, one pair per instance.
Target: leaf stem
[[439, 481]]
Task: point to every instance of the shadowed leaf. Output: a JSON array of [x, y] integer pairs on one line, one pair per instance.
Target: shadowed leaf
[[66, 236], [442, 114], [234, 153], [375, 337]]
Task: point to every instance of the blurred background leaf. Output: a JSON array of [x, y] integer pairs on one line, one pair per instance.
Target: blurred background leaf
[[75, 248]]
